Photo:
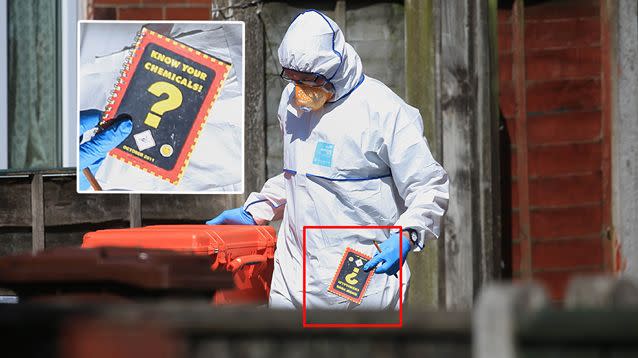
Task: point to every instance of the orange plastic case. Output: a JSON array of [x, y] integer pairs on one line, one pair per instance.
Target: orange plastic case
[[246, 251]]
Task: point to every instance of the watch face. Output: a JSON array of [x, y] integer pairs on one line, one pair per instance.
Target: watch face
[[412, 234]]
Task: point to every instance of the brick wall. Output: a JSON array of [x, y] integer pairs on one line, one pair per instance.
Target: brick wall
[[150, 9], [565, 140]]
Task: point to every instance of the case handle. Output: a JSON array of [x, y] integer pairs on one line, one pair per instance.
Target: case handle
[[242, 261]]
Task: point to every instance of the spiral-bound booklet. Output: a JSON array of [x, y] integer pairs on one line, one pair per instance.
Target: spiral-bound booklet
[[168, 88]]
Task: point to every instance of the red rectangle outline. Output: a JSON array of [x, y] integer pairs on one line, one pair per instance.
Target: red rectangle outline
[[331, 288], [305, 324]]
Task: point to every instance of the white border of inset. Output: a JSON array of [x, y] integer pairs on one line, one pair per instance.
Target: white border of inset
[[4, 83], [243, 107], [68, 17]]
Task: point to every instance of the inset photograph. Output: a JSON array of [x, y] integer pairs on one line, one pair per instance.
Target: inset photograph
[[161, 107]]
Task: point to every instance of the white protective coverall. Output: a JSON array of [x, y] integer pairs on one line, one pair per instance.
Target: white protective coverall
[[360, 160]]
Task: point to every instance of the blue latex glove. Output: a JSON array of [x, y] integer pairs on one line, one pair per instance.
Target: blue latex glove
[[93, 152], [389, 255], [237, 216]]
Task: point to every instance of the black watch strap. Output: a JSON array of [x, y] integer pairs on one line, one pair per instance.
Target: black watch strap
[[413, 236]]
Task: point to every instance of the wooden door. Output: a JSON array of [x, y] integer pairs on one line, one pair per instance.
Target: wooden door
[[552, 95]]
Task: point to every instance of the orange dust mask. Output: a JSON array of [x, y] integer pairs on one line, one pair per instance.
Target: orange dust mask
[[311, 98]]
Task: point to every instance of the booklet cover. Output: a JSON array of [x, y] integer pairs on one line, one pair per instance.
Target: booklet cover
[[350, 281], [168, 89]]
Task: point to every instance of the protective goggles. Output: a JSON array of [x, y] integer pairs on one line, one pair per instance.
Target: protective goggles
[[304, 78]]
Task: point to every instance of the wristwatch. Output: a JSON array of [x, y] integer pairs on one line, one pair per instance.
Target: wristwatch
[[413, 236]]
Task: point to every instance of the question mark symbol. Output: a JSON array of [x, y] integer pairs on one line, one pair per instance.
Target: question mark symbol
[[351, 277], [173, 101]]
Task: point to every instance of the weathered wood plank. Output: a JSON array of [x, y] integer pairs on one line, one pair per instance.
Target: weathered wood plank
[[15, 241], [488, 254], [427, 285], [340, 15], [457, 99], [15, 205], [377, 31], [470, 147], [606, 135], [72, 236], [64, 206], [37, 213], [135, 210], [254, 94], [254, 138], [191, 208], [625, 131]]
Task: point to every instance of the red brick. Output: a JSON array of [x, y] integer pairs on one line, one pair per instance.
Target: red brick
[[516, 257], [116, 2], [104, 13], [516, 227], [505, 68], [569, 33], [140, 13], [179, 3], [566, 190], [164, 2], [513, 164], [195, 13], [507, 99], [504, 15], [560, 96], [515, 204], [510, 125], [564, 127], [556, 282], [566, 222], [554, 64], [504, 38], [567, 253], [564, 159], [555, 10]]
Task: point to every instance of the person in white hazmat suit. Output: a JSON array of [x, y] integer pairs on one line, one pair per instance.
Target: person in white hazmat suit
[[354, 155]]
